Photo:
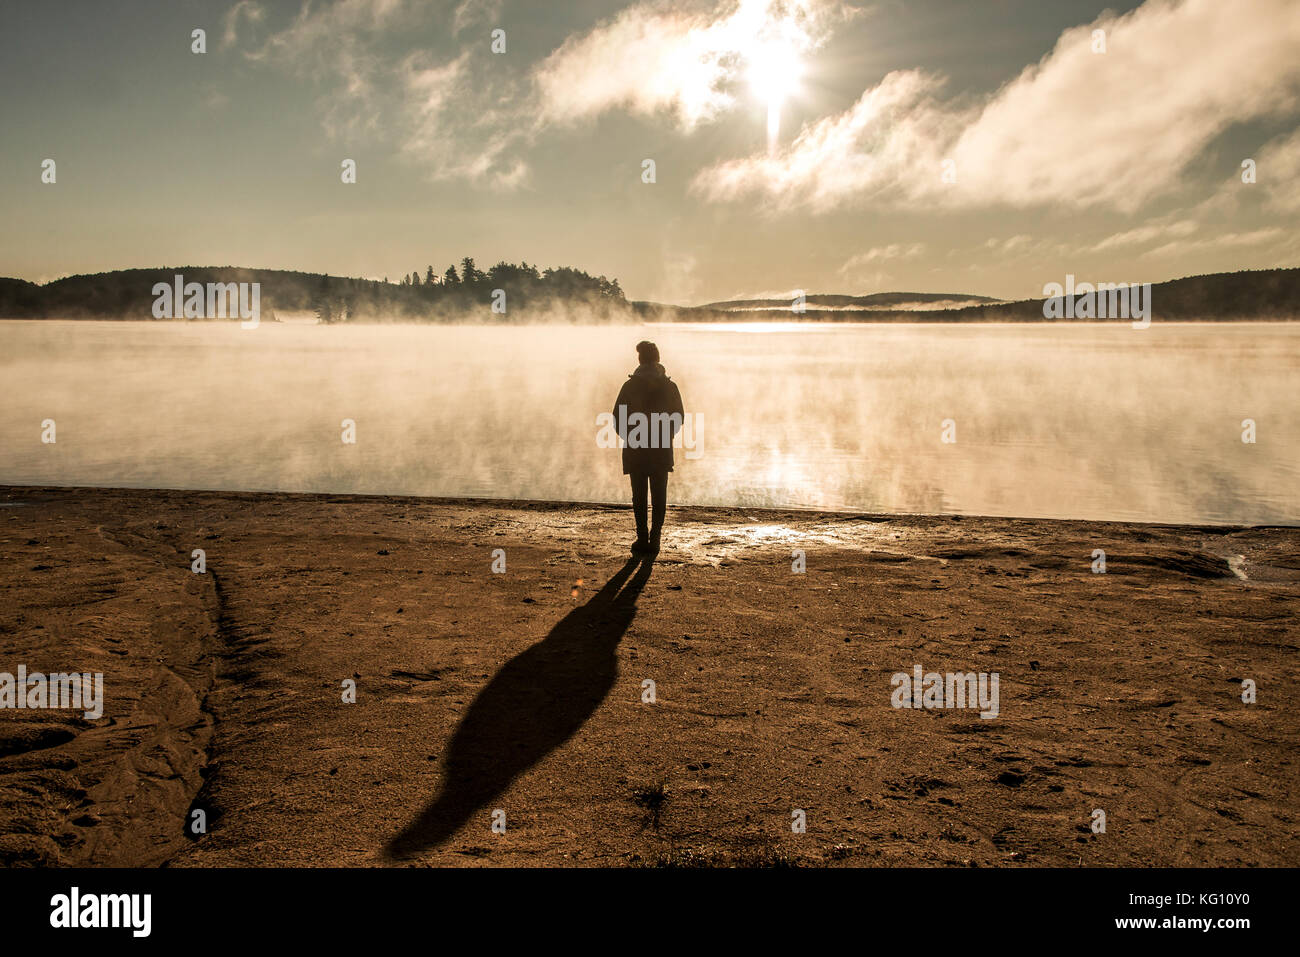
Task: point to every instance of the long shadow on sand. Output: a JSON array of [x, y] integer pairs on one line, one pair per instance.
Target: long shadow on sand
[[536, 702]]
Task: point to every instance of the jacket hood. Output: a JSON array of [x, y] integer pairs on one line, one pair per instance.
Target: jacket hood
[[651, 369]]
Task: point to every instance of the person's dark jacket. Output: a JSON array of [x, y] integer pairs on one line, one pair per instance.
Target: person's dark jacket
[[648, 391]]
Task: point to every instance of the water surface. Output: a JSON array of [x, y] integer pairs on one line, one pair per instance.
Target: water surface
[[1097, 421]]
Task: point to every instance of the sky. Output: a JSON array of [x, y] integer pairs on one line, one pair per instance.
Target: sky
[[902, 145]]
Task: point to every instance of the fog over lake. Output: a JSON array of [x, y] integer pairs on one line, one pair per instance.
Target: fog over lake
[[1094, 421]]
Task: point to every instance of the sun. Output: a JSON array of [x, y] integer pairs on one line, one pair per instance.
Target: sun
[[773, 70]]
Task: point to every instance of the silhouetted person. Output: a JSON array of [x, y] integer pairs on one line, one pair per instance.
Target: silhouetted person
[[648, 413]]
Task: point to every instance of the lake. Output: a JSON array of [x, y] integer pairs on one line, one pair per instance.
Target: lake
[[1060, 420]]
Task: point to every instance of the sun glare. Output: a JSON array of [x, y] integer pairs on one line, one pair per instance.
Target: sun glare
[[774, 71]]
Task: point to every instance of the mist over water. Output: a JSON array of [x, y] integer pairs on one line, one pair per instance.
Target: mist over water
[[1096, 421]]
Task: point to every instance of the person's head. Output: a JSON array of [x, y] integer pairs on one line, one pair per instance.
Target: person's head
[[647, 352]]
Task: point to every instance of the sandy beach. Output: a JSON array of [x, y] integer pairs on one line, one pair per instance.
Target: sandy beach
[[524, 691]]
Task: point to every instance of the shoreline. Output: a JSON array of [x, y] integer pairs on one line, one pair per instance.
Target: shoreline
[[773, 318], [552, 504], [523, 690]]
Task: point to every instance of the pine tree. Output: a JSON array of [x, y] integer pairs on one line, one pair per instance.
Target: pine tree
[[468, 273]]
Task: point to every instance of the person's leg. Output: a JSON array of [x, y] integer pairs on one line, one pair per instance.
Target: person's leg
[[639, 483], [659, 505]]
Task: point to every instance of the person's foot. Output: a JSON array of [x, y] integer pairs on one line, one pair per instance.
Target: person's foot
[[641, 546], [653, 546]]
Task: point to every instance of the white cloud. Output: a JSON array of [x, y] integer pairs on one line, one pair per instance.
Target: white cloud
[[336, 46], [653, 58], [883, 254], [889, 141], [1173, 237], [440, 115], [1220, 242], [430, 97], [433, 105], [1078, 129], [461, 120], [1144, 235], [1010, 244], [868, 269]]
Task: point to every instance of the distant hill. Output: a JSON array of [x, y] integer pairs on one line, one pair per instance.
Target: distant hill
[[532, 294], [1262, 294], [529, 293], [876, 302]]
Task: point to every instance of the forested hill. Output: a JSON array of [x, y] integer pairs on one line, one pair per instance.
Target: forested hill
[[468, 294], [1246, 295], [459, 292], [1263, 294]]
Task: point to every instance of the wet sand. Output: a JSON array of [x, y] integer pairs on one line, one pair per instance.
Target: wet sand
[[523, 691]]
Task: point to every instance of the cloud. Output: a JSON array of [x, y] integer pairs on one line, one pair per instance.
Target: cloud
[[243, 10], [1078, 129], [652, 58], [890, 140], [472, 13], [1219, 242], [1011, 244], [1144, 235], [215, 100], [1277, 173], [461, 120], [883, 254], [868, 270], [438, 112], [1172, 237], [337, 46], [438, 133]]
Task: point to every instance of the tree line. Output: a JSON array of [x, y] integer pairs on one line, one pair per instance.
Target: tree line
[[464, 293]]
